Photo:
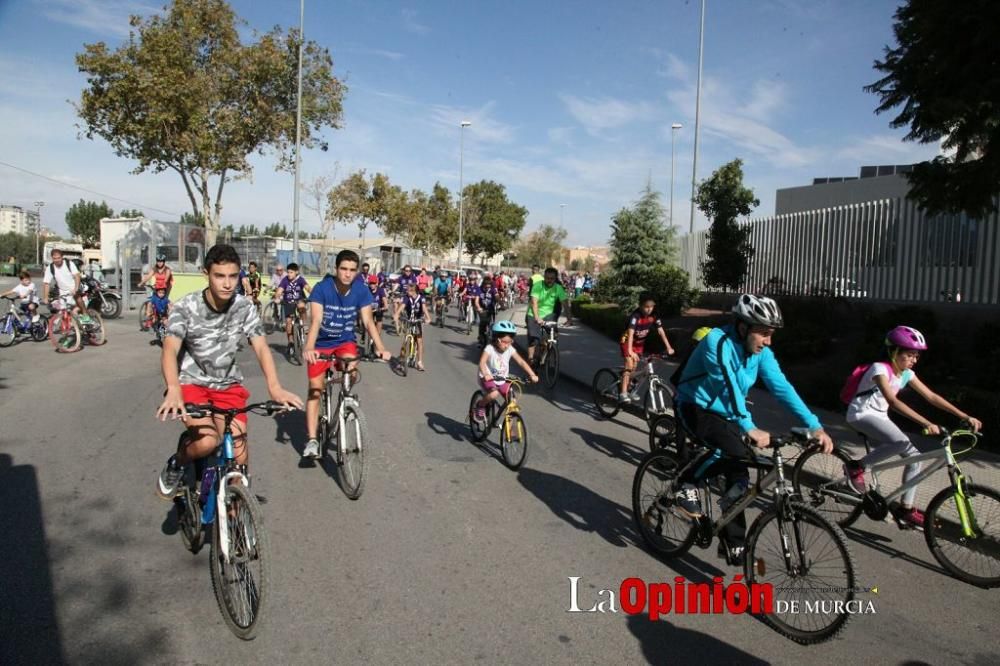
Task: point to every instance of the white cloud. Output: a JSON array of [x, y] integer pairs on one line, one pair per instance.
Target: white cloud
[[99, 16], [597, 115], [560, 134], [886, 149], [484, 129], [381, 53], [411, 24]]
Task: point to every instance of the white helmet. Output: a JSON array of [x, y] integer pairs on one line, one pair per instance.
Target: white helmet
[[758, 311]]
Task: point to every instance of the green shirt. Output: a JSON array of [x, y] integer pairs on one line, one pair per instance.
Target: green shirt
[[547, 298], [536, 278]]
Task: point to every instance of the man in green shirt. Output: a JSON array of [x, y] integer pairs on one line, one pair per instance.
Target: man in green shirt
[[542, 307]]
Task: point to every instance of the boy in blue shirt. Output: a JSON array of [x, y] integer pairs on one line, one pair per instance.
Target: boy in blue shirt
[[416, 310], [334, 305]]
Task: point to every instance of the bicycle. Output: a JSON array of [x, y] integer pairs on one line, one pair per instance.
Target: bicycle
[[298, 337], [270, 311], [549, 359], [468, 315], [408, 359], [606, 388], [440, 310], [218, 486], [789, 546], [16, 324], [346, 424], [68, 333], [962, 521], [513, 431]]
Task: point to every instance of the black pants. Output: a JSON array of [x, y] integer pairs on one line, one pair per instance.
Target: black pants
[[725, 443]]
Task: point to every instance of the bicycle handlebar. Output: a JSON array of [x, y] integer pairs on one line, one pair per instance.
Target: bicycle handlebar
[[269, 408]]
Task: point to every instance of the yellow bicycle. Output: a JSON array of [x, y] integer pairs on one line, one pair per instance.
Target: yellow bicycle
[[513, 431]]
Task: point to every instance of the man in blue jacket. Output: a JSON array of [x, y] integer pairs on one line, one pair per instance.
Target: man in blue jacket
[[711, 395]]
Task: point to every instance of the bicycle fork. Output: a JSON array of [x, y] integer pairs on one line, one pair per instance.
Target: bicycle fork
[[963, 506]]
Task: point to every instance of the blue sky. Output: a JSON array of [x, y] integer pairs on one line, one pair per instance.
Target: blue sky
[[570, 102]]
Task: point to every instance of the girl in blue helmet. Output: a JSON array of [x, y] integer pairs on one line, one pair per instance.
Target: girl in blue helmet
[[494, 367]]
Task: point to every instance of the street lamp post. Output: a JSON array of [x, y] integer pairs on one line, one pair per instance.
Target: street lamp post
[[298, 136], [38, 229], [673, 135], [461, 191], [561, 208]]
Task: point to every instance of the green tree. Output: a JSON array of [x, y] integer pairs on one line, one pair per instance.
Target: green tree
[[722, 198], [277, 230], [83, 220], [492, 221], [193, 220], [541, 247], [943, 73], [134, 212], [185, 93], [19, 246]]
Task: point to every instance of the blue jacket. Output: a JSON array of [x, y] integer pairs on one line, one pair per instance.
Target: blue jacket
[[703, 381], [442, 285]]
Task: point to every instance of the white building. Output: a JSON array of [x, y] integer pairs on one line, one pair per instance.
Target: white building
[[17, 219]]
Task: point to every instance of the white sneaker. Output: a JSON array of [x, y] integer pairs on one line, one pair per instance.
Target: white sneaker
[[311, 450]]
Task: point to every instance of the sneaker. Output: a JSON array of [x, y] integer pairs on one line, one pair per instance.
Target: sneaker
[[170, 479], [855, 476], [624, 398], [85, 319], [733, 554], [479, 414], [312, 449], [688, 501], [634, 397], [34, 319], [291, 350], [912, 518]]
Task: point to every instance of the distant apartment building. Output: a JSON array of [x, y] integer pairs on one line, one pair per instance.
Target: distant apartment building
[[17, 219], [601, 255]]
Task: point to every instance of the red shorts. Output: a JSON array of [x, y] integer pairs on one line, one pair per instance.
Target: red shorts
[[493, 386], [234, 397], [636, 349], [321, 366]]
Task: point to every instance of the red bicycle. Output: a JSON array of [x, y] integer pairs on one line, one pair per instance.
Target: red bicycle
[[68, 332]]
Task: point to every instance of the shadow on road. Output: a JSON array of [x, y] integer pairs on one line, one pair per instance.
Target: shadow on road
[[27, 599], [445, 425], [660, 639], [611, 447], [470, 350]]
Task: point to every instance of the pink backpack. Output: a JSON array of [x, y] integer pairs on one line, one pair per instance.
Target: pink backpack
[[850, 390]]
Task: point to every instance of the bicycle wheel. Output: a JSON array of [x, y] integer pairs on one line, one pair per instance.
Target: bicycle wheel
[[8, 332], [40, 328], [817, 584], [354, 438], [188, 509], [324, 433], [663, 433], [64, 333], [298, 341], [479, 430], [143, 319], [819, 480], [241, 576], [514, 441], [94, 333], [605, 389], [668, 532], [655, 403], [551, 366], [974, 558]]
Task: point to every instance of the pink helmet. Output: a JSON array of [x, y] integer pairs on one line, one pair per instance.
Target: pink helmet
[[905, 337]]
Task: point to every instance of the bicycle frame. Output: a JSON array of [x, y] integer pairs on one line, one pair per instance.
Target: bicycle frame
[[215, 503]]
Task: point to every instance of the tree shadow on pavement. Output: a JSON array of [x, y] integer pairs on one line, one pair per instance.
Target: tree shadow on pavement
[[470, 350], [611, 447], [880, 543], [660, 639]]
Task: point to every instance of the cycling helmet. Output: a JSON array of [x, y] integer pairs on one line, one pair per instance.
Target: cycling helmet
[[161, 257], [701, 333], [905, 337], [505, 327], [758, 311], [372, 279]]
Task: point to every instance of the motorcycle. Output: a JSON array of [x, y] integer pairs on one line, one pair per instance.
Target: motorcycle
[[101, 298]]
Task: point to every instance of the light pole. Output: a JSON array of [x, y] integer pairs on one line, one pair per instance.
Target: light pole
[[561, 208], [673, 136], [298, 136], [697, 121], [38, 229], [461, 191]]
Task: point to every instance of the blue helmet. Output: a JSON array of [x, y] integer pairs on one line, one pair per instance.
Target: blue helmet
[[505, 327]]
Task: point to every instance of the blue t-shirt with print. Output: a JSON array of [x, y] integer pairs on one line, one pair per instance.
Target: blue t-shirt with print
[[340, 311], [291, 290]]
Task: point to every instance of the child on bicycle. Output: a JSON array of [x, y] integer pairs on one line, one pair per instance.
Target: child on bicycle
[[380, 297], [25, 290], [868, 413], [160, 306], [641, 323], [205, 331], [486, 307], [292, 292], [494, 367], [417, 311]]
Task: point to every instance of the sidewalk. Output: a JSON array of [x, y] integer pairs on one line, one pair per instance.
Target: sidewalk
[[583, 351]]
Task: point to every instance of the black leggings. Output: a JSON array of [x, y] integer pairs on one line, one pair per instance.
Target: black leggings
[[727, 440]]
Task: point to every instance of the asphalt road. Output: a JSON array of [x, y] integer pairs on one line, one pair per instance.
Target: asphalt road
[[448, 557]]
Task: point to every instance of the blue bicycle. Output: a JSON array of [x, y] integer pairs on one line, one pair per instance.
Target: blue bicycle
[[216, 487], [16, 324]]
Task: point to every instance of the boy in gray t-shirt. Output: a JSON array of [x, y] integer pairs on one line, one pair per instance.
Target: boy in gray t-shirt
[[204, 332]]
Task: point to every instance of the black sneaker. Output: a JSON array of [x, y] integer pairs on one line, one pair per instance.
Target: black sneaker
[[733, 555], [688, 501], [170, 479]]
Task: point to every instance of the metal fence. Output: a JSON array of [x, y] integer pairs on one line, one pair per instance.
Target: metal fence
[[880, 250]]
